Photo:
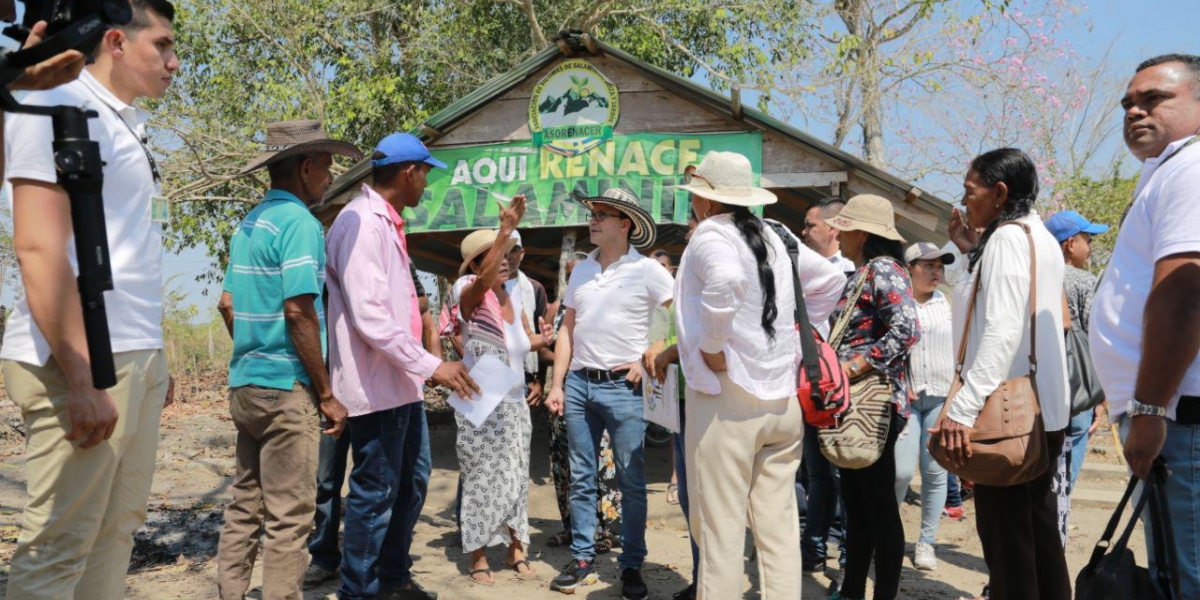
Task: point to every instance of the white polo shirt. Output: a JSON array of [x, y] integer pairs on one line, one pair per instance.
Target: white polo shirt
[[1163, 221], [613, 308], [134, 241]]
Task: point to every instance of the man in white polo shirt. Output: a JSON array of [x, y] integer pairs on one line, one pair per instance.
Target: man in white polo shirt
[[89, 456], [1145, 325], [609, 301]]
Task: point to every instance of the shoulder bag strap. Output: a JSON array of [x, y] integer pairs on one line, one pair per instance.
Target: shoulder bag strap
[[808, 347], [843, 322], [1165, 557], [1105, 541]]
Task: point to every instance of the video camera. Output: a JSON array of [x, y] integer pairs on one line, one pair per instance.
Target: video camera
[[73, 25]]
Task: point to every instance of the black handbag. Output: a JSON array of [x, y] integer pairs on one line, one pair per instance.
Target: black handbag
[[1081, 373], [1112, 573]]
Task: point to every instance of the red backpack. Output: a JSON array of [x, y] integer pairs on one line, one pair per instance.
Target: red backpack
[[821, 385]]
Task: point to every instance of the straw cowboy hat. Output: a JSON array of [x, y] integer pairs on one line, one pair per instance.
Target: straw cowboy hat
[[869, 213], [286, 139], [728, 178], [475, 244], [641, 235]]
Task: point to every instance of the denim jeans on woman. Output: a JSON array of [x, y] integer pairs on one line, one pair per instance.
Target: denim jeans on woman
[[593, 406], [911, 445]]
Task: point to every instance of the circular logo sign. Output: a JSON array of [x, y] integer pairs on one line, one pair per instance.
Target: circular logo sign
[[573, 109]]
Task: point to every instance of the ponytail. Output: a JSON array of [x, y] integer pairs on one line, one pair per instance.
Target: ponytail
[[751, 228]]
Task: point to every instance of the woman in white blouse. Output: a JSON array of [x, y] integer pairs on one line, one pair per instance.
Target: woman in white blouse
[[931, 370], [739, 351], [1017, 525]]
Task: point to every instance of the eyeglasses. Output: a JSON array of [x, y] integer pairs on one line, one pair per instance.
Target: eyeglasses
[[690, 176], [598, 216]]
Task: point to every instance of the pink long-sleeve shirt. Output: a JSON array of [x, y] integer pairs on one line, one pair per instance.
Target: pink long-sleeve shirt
[[376, 358]]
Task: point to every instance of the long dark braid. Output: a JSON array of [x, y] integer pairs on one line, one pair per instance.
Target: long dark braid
[[1019, 174], [751, 228]]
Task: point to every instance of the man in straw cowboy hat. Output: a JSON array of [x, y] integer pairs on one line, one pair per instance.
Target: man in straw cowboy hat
[[379, 367], [277, 379], [609, 300], [89, 455]]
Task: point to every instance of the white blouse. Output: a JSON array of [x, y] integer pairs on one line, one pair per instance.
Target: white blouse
[[931, 361], [719, 309], [999, 340]]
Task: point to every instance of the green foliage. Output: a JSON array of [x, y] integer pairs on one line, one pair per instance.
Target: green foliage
[[193, 348], [367, 68]]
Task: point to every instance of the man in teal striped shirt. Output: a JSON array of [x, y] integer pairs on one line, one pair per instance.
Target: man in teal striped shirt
[[279, 387]]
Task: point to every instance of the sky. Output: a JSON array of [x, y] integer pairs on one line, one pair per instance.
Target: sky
[[1129, 30]]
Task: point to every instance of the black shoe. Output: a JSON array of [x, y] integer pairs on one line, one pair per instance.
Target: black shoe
[[410, 592], [576, 574], [632, 586], [687, 593]]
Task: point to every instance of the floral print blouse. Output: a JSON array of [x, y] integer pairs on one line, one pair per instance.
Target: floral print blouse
[[883, 327]]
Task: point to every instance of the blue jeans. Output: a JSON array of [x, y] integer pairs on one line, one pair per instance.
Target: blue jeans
[[681, 478], [331, 473], [911, 444], [385, 488], [1077, 432], [1182, 453], [592, 407], [824, 504], [953, 493]]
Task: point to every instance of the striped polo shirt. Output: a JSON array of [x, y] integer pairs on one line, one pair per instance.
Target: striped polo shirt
[[278, 252]]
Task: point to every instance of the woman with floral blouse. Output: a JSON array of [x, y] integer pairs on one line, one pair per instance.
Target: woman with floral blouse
[[882, 329]]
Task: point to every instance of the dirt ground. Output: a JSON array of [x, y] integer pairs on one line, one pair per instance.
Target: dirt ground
[[174, 553]]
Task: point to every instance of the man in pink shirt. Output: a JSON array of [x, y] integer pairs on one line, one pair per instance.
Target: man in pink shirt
[[378, 368]]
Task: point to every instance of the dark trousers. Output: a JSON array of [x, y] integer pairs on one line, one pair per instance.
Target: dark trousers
[[825, 513], [387, 489], [1018, 526], [873, 526], [331, 474]]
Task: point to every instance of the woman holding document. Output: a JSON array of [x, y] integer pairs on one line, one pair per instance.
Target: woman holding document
[[739, 350], [494, 457]]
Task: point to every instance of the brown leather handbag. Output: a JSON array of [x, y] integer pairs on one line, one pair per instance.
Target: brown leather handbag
[[1008, 443]]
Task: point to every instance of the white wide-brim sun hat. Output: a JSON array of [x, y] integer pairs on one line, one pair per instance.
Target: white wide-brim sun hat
[[727, 178]]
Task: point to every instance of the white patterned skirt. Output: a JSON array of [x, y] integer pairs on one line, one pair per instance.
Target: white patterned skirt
[[494, 460]]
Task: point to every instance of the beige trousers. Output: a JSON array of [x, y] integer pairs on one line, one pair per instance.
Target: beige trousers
[[742, 456], [274, 488], [84, 505]]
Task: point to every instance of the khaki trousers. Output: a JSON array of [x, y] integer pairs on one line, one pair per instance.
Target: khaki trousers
[[742, 457], [274, 488], [84, 505]]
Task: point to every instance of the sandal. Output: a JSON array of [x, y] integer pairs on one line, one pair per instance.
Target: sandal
[[562, 538], [476, 580], [529, 572], [673, 493]]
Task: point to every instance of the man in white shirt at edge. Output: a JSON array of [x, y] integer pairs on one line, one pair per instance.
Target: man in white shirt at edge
[[90, 453], [1145, 324], [611, 297]]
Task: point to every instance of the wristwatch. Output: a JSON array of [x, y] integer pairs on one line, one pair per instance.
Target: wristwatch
[[1137, 409]]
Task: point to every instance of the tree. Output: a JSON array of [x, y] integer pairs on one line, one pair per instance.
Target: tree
[[1100, 200], [369, 67]]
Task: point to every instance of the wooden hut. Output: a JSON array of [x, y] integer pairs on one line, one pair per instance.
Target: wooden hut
[[582, 116]]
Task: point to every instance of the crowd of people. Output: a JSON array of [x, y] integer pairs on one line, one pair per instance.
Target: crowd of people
[[334, 343]]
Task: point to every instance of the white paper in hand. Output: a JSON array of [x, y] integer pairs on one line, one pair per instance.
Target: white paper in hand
[[661, 399], [495, 379]]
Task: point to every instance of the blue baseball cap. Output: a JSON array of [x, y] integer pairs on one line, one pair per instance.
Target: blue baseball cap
[[1066, 224], [404, 147]]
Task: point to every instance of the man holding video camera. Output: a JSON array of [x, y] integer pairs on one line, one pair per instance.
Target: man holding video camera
[[89, 453]]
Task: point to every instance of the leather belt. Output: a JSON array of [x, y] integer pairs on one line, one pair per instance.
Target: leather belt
[[602, 375], [1188, 410]]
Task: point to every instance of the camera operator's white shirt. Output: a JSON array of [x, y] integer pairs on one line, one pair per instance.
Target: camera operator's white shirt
[[134, 241]]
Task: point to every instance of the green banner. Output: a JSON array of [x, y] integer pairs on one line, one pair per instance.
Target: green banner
[[464, 195]]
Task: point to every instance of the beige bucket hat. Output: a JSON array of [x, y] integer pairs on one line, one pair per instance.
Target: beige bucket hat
[[292, 138], [869, 213], [475, 244], [728, 178]]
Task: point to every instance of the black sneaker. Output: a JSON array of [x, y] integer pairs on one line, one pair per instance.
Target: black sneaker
[[412, 591], [576, 574], [687, 593], [632, 586]]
